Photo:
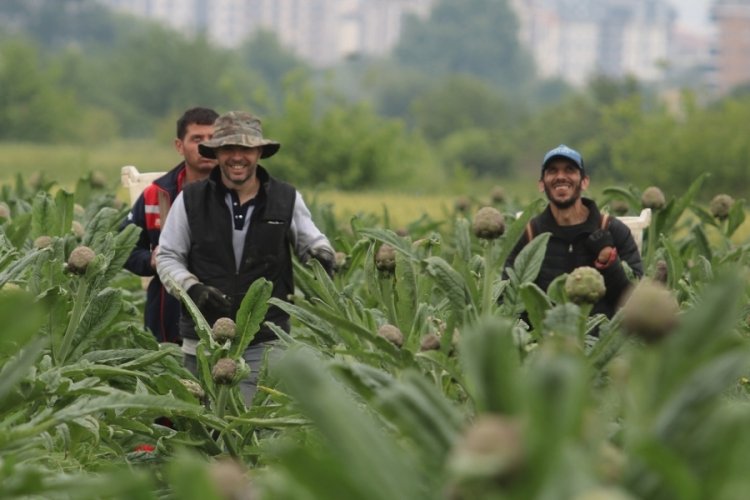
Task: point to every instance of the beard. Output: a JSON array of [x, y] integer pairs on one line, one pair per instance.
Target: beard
[[563, 203], [231, 176]]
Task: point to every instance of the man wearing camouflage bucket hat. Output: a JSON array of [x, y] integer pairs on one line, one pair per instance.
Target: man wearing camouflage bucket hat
[[239, 225]]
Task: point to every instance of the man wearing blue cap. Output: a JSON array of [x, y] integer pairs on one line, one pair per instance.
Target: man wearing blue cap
[[580, 234]]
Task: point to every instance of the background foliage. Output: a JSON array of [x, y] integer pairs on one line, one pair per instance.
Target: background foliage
[[440, 108]]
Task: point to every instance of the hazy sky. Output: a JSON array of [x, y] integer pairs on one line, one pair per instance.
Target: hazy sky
[[693, 13]]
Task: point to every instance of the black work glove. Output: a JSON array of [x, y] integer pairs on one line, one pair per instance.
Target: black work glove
[[599, 239], [210, 300], [326, 257]]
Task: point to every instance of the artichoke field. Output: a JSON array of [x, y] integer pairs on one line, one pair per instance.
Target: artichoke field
[[409, 375]]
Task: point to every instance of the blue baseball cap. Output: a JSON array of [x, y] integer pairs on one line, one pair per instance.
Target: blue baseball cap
[[563, 151]]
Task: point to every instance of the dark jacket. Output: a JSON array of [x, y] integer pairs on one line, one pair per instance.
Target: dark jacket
[[162, 311], [566, 251], [267, 248]]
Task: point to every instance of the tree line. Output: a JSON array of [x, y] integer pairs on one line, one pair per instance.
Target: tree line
[[443, 103]]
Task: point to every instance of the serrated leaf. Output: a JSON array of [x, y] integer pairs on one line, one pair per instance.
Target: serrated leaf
[[15, 369], [516, 229], [529, 261], [491, 365], [15, 270], [45, 219], [406, 292], [675, 264], [620, 192], [107, 220], [536, 304], [394, 240], [675, 208], [64, 202], [450, 282], [250, 315], [736, 217], [702, 245], [462, 239], [99, 313]]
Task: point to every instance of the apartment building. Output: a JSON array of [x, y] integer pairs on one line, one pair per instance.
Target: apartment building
[[569, 39], [577, 39], [320, 31], [731, 66]]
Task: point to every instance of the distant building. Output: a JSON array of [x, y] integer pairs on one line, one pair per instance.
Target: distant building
[[577, 39], [570, 39], [320, 31], [732, 45]]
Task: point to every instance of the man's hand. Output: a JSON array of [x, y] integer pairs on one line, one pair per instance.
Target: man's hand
[[210, 300], [600, 244], [324, 254]]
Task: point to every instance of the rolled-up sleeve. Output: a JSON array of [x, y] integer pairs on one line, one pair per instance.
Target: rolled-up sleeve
[[174, 246]]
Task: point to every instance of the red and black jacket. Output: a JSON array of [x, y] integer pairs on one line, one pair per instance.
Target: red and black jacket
[[162, 311]]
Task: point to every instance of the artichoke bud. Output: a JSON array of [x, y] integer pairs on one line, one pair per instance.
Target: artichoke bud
[[224, 329], [224, 371], [661, 271], [430, 342], [497, 195], [619, 207], [462, 205], [653, 198], [78, 229], [231, 480], [585, 285], [650, 312], [720, 206], [385, 258], [193, 388], [98, 180], [489, 223], [491, 448], [392, 334], [79, 259], [42, 242], [340, 260]]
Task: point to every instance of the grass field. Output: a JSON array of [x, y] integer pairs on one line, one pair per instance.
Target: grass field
[[65, 164]]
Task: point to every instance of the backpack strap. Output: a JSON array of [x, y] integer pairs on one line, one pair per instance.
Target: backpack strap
[[529, 232]]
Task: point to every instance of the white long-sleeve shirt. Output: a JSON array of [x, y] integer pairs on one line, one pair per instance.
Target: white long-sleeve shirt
[[175, 241]]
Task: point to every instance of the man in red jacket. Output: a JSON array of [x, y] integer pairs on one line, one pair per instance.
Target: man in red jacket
[[149, 212]]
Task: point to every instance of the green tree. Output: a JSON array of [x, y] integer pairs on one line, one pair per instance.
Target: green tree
[[673, 150], [159, 71], [477, 37], [268, 61], [60, 23], [483, 152], [31, 108], [344, 146], [458, 102]]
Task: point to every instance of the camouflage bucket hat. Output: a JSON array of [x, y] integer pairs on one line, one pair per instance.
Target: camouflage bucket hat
[[238, 128]]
